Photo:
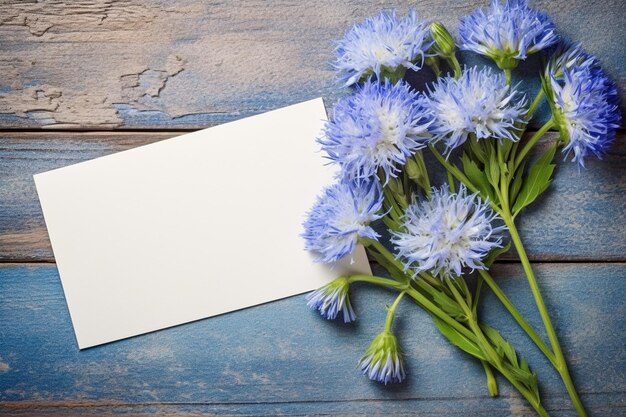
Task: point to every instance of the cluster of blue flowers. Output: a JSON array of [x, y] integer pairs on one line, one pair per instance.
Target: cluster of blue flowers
[[374, 132]]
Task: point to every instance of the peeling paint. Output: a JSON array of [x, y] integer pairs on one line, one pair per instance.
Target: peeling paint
[[36, 25], [41, 16], [149, 82], [33, 99], [239, 58], [48, 104]]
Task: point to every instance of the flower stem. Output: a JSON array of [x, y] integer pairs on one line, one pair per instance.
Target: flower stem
[[430, 307], [451, 182], [377, 280], [534, 104], [471, 320], [455, 65], [494, 359], [530, 331], [392, 311], [492, 385], [472, 334], [532, 141], [561, 365], [507, 74]]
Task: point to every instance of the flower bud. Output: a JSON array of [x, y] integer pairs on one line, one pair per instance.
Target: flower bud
[[395, 185], [413, 170], [443, 40], [382, 360], [331, 299]]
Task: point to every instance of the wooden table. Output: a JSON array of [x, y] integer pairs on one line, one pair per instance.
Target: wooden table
[[84, 79]]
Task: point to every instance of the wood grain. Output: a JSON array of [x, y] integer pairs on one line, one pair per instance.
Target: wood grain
[[582, 216], [282, 359], [168, 64], [156, 66]]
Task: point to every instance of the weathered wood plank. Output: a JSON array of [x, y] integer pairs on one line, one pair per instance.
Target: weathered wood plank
[[582, 217], [149, 64], [281, 359]]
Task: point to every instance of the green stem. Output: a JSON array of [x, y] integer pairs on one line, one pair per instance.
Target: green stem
[[430, 307], [507, 74], [534, 104], [451, 182], [492, 385], [432, 281], [377, 280], [479, 286], [530, 331], [455, 65], [525, 393], [561, 365], [473, 324], [532, 141], [424, 180], [392, 311], [494, 359]]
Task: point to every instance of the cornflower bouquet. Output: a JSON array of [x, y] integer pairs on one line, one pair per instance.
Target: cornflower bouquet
[[473, 122]]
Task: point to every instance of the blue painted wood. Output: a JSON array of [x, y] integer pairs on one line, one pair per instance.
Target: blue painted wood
[[155, 64], [281, 358], [166, 65]]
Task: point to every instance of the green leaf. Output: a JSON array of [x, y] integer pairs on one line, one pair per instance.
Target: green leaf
[[505, 147], [537, 181], [516, 185], [458, 339], [477, 149], [493, 169], [502, 346], [520, 371], [447, 304], [391, 224], [395, 190], [477, 177]]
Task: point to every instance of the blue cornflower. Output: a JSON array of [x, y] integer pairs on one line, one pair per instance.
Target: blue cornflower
[[340, 216], [382, 360], [332, 298], [446, 233], [584, 101], [382, 44], [507, 32], [567, 55], [479, 102], [379, 126]]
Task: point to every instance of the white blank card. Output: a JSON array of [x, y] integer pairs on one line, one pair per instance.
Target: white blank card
[[190, 227]]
